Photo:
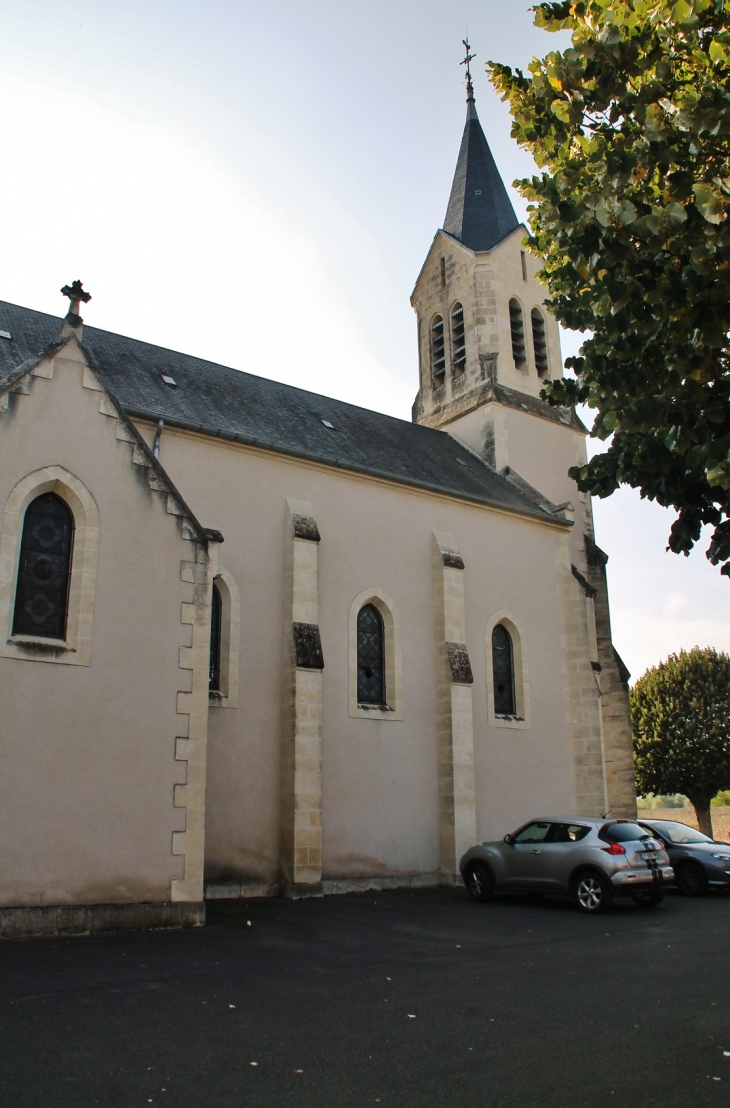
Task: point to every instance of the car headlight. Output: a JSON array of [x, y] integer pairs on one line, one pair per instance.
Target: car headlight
[[722, 857]]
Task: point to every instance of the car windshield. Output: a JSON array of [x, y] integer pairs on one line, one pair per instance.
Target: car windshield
[[680, 833], [624, 832]]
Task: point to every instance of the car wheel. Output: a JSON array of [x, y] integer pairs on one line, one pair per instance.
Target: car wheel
[[648, 900], [592, 893], [479, 881], [692, 880]]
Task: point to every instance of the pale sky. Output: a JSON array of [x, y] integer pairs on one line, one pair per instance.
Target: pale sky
[[258, 183]]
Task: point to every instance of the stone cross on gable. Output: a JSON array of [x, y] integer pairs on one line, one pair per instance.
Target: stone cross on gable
[[73, 322]]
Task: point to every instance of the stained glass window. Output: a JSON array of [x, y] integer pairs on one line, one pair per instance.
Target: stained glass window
[[44, 570], [370, 656], [503, 669], [214, 682]]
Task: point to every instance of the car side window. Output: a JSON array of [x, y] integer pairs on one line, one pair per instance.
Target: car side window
[[568, 833], [533, 833]]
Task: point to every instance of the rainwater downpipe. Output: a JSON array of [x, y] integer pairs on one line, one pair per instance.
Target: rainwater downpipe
[[158, 436]]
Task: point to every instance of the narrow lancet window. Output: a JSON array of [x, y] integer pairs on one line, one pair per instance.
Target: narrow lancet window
[[214, 675], [44, 571], [517, 328], [458, 340], [370, 657], [539, 341], [503, 671], [438, 353]]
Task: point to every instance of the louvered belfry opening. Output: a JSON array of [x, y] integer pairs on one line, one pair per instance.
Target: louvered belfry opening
[[539, 341], [438, 351], [370, 657], [503, 672], [517, 327], [44, 571], [458, 339], [216, 612]]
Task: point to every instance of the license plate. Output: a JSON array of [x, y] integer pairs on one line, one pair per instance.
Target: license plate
[[650, 855]]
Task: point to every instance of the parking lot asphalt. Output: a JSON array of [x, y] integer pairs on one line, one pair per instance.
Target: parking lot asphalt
[[408, 999]]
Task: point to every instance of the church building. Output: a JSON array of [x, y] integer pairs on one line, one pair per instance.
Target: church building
[[255, 641]]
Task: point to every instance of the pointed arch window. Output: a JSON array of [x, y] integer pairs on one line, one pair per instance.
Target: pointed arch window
[[44, 570], [458, 339], [504, 672], [370, 656], [438, 351], [539, 341], [517, 329], [216, 623]]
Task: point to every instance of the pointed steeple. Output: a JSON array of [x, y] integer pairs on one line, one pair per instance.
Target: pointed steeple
[[480, 213]]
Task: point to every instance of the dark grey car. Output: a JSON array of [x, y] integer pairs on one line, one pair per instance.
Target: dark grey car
[[699, 863], [586, 857]]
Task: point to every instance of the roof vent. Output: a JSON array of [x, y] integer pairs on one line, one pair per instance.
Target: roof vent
[[5, 335], [169, 380], [327, 423]]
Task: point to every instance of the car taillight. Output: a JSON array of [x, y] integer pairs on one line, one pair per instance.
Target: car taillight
[[614, 848]]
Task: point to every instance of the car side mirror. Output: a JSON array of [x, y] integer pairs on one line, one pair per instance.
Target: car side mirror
[[508, 838]]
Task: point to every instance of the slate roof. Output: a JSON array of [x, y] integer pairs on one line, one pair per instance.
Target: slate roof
[[227, 403], [480, 212]]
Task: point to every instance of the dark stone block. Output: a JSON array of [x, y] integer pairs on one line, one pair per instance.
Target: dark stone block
[[308, 646], [297, 890], [18, 922], [459, 663], [305, 527], [588, 589], [75, 919], [72, 919], [452, 559]]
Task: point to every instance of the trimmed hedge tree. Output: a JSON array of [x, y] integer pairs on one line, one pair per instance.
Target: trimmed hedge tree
[[680, 716]]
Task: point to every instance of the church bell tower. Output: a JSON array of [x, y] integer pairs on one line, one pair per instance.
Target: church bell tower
[[485, 337], [487, 345]]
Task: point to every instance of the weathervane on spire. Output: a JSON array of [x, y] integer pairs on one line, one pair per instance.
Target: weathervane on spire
[[467, 62]]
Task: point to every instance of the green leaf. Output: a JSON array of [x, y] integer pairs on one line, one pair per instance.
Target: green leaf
[[719, 52], [561, 109], [709, 203]]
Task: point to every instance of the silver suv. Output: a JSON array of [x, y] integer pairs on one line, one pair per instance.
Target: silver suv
[[587, 858]]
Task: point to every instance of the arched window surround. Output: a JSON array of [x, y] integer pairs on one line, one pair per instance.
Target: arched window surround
[[76, 649], [521, 677], [393, 709], [226, 696]]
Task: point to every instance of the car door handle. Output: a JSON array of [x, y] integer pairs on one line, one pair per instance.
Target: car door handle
[[535, 852]]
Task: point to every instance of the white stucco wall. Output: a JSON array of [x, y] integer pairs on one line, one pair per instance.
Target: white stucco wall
[[88, 751], [379, 777]]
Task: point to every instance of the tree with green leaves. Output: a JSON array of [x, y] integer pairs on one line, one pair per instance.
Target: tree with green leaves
[[630, 127], [680, 717]]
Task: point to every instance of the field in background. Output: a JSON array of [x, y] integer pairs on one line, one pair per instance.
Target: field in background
[[720, 819]]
